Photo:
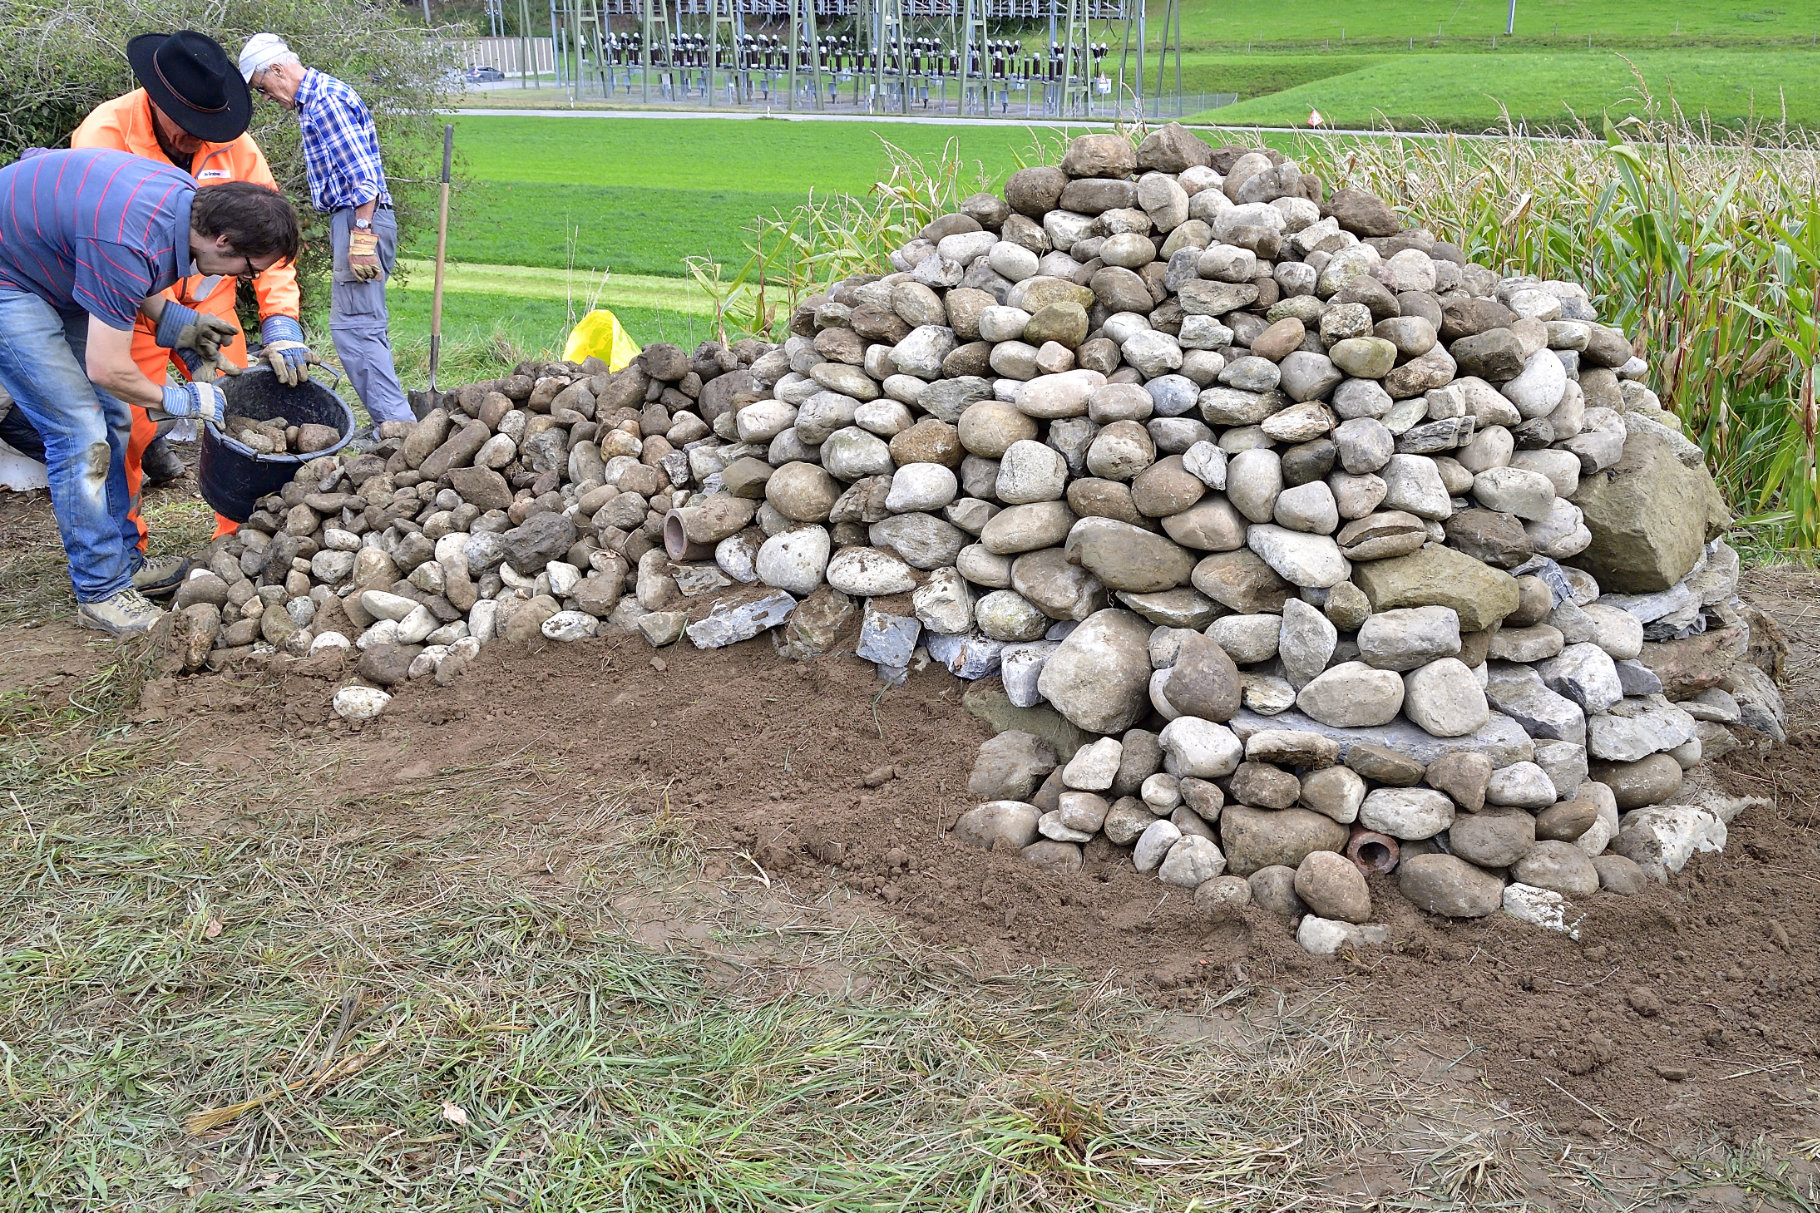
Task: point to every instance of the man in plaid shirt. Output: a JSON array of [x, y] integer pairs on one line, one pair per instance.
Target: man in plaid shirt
[[347, 182]]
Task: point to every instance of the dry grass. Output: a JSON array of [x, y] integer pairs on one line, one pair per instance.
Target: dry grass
[[34, 575], [351, 1016]]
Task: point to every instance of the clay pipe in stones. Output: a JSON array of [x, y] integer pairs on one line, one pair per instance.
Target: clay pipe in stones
[[677, 542], [710, 522], [1372, 851]]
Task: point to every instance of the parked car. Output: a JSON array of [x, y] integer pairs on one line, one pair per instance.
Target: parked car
[[479, 74]]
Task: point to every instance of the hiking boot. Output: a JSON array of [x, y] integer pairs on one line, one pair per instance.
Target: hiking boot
[[160, 463], [127, 613], [156, 578]]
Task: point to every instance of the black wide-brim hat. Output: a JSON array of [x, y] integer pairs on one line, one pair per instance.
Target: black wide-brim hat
[[190, 78]]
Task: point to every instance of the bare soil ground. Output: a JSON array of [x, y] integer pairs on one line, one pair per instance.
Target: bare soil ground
[[1695, 1006], [1683, 1024]]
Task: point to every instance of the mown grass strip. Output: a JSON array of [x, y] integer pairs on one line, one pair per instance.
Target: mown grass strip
[[1385, 21], [582, 289], [640, 196]]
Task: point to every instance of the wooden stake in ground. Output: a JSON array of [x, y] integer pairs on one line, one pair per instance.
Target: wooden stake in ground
[[422, 402]]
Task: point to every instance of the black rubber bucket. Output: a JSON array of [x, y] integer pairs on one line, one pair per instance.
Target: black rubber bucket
[[234, 476]]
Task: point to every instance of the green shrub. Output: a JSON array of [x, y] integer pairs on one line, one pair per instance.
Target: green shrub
[[64, 57]]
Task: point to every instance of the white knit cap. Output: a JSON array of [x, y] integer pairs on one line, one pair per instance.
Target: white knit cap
[[259, 53]]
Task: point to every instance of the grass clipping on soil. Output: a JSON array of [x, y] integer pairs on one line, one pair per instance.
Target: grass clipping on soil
[[328, 1007]]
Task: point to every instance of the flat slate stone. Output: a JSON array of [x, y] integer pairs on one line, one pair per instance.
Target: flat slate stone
[[968, 655], [1518, 691], [886, 638], [727, 625]]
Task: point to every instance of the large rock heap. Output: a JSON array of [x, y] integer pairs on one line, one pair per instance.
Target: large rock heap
[[1323, 540]]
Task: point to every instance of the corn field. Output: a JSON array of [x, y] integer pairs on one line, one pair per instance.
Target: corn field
[[1703, 244]]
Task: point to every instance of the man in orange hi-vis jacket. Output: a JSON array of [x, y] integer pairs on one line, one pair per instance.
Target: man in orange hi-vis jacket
[[192, 111]]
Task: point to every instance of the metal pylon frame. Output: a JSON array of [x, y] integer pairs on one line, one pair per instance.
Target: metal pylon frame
[[591, 31], [575, 38], [973, 41], [1125, 57], [559, 43], [1169, 44], [1172, 42], [527, 64], [883, 28], [1077, 51], [724, 15], [654, 30], [803, 32]]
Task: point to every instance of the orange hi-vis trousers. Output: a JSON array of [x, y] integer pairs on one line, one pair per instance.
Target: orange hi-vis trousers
[[155, 362]]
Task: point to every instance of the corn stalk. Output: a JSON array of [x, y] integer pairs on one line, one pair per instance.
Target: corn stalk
[[794, 253], [1694, 240]]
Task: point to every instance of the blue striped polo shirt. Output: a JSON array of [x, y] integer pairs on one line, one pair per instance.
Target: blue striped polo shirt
[[94, 230]]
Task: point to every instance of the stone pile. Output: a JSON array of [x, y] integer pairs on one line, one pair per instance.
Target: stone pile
[[1299, 544], [277, 436]]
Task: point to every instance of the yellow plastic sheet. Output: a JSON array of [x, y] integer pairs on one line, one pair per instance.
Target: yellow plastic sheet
[[601, 335]]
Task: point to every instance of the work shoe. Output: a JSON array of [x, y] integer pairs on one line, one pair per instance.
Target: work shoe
[[160, 463], [156, 578], [127, 613]]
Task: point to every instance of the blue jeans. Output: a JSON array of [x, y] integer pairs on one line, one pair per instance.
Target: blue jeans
[[358, 322], [85, 431]]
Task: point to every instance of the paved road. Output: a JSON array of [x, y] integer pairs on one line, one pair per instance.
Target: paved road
[[935, 120], [783, 115]]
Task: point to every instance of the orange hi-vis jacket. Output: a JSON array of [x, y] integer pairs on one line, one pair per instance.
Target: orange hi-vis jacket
[[125, 124]]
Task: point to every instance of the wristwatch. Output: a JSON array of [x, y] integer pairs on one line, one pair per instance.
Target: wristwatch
[[365, 225]]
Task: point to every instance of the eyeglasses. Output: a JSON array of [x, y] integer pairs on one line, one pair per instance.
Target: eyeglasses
[[251, 271]]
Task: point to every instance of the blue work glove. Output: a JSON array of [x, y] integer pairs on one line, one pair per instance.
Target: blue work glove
[[195, 338], [198, 398], [284, 350]]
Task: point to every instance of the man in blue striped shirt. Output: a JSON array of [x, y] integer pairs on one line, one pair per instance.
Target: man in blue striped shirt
[[347, 182], [89, 240]]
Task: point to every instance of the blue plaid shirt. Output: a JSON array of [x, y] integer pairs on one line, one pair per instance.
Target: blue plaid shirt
[[340, 146]]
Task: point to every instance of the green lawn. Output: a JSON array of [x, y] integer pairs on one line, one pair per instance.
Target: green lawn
[[640, 195], [1206, 23], [1464, 92], [635, 229], [1259, 75], [485, 332], [576, 288], [707, 154]]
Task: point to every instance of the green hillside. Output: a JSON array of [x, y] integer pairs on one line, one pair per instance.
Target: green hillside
[[1693, 22], [1473, 91]]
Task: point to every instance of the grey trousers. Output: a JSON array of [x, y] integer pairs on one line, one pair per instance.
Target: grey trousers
[[358, 322]]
